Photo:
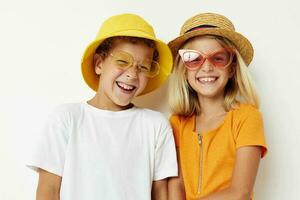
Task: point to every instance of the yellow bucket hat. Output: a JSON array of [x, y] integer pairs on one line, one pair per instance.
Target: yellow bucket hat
[[133, 26]]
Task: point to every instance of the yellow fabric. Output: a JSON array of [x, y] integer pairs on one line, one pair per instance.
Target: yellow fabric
[[242, 126], [133, 26]]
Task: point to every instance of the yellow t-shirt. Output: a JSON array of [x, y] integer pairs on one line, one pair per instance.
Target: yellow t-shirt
[[207, 167]]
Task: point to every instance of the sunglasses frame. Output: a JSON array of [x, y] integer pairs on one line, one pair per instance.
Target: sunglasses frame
[[231, 51], [139, 67]]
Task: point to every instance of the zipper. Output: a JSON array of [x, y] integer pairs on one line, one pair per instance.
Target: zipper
[[200, 163]]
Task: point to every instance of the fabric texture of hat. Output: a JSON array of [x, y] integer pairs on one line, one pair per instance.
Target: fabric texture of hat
[[213, 24], [133, 26]]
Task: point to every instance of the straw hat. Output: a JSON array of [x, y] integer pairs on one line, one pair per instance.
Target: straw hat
[[212, 24], [133, 26]]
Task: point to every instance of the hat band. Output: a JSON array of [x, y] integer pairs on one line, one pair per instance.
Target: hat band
[[200, 27]]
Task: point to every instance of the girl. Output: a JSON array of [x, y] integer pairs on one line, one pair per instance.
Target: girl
[[217, 127]]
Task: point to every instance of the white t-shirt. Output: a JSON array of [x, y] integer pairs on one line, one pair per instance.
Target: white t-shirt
[[104, 154]]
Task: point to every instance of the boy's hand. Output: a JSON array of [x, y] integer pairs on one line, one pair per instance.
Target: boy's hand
[[176, 189], [159, 190], [48, 186]]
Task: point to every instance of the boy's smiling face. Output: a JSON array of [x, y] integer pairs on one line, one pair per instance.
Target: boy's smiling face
[[117, 87]]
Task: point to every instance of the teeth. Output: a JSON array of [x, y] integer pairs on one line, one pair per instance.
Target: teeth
[[125, 86], [207, 79]]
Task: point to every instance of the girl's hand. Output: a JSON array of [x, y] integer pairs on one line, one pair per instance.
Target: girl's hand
[[243, 178]]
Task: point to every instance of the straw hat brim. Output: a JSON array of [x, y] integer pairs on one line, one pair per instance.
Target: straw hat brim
[[165, 60], [242, 44]]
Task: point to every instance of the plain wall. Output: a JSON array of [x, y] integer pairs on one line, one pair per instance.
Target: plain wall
[[42, 42]]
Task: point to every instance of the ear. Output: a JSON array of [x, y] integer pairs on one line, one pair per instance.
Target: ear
[[231, 70], [98, 63]]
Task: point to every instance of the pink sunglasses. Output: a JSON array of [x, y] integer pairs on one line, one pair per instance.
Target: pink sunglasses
[[193, 59]]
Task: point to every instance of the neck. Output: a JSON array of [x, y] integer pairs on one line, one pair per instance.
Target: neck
[[211, 106]]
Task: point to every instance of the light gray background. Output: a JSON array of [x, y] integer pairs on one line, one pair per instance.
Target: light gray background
[[42, 42]]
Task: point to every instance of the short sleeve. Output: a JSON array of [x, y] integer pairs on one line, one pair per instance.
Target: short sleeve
[[250, 130], [175, 124], [165, 153], [49, 152]]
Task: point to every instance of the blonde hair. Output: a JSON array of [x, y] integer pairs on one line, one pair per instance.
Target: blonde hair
[[184, 100]]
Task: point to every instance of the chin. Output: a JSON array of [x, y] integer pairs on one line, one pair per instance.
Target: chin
[[122, 103], [209, 94]]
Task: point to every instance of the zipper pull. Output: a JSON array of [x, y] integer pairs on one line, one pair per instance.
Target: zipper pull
[[199, 138]]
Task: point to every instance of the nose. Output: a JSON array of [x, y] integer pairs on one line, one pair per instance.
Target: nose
[[207, 66], [131, 72]]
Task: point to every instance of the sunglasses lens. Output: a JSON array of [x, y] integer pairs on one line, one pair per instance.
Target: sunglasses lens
[[192, 60], [149, 68], [122, 59], [221, 58], [154, 69]]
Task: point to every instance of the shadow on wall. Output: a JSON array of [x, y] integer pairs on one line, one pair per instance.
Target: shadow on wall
[[156, 100]]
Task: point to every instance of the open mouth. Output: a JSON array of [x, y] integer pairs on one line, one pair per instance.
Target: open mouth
[[125, 87], [209, 79]]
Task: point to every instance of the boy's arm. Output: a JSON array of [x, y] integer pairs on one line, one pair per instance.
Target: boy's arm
[[175, 184], [159, 190], [48, 186], [244, 173]]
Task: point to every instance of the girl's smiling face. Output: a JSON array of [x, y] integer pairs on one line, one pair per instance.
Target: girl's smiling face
[[208, 81]]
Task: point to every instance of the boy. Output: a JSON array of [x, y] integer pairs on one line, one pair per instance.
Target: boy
[[106, 148]]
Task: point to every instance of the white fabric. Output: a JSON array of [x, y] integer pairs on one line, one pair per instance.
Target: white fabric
[[104, 154]]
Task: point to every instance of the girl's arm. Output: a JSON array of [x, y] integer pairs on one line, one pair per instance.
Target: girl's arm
[[159, 190], [175, 184], [244, 173], [48, 186]]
